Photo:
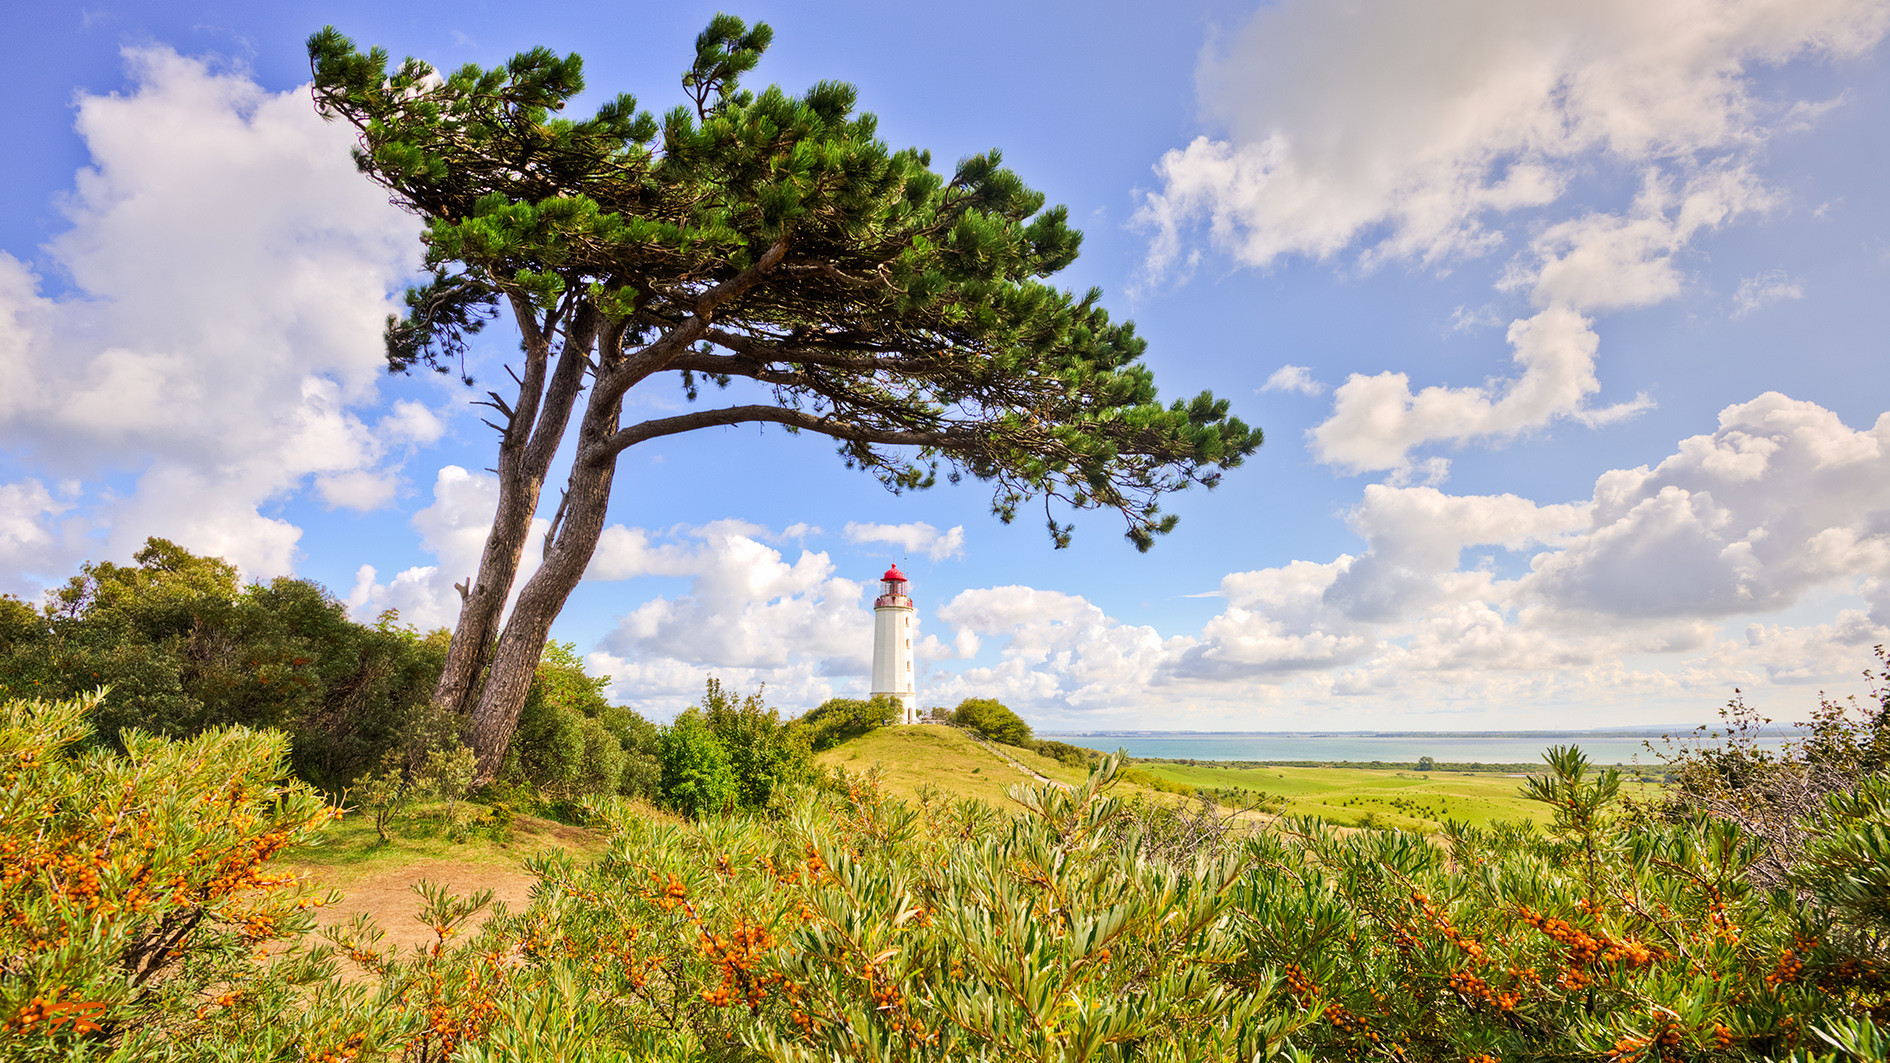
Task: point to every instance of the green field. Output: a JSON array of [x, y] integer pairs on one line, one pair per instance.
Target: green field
[[1408, 800]]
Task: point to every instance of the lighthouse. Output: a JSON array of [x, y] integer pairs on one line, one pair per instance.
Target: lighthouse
[[892, 644]]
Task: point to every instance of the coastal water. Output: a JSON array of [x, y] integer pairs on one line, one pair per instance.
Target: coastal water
[[1514, 748]]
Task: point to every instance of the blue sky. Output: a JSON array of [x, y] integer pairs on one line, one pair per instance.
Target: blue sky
[[1564, 321]]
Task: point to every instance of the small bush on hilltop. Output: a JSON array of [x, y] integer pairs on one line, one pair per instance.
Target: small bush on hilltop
[[838, 719], [1064, 753], [988, 717]]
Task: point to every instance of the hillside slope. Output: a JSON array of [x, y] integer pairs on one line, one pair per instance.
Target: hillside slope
[[947, 759]]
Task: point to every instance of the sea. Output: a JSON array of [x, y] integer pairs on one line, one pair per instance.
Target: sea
[[1511, 747]]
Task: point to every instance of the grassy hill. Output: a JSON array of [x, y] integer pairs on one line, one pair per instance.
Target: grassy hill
[[946, 759]]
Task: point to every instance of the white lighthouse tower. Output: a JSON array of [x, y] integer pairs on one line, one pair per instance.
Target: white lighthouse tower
[[892, 644]]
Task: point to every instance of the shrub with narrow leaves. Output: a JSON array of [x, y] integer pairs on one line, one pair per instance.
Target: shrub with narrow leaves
[[141, 907]]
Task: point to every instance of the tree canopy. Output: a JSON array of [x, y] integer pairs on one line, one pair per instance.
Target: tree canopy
[[767, 242]]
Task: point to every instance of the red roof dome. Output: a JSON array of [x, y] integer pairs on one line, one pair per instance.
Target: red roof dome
[[893, 574]]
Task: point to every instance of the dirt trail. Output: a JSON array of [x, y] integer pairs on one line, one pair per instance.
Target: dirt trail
[[1013, 761], [387, 894]]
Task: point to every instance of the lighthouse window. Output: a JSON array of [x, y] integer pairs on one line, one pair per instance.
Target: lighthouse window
[[908, 644]]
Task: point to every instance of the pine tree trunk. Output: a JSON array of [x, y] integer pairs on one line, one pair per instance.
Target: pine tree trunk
[[522, 644], [484, 601], [530, 439]]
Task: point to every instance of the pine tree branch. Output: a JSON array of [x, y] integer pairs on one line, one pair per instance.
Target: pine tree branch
[[799, 419], [677, 339]]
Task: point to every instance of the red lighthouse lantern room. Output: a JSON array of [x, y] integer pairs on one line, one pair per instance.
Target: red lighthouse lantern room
[[892, 589]]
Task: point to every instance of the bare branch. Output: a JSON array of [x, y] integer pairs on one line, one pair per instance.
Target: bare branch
[[557, 521]]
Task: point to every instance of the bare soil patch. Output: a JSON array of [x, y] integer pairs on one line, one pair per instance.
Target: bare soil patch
[[379, 880]]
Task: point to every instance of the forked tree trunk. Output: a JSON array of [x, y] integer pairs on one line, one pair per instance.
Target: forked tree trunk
[[529, 440], [573, 539], [522, 643], [483, 602]]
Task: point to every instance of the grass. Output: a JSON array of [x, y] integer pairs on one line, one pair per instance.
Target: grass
[[949, 760], [945, 759], [1408, 800], [351, 851]]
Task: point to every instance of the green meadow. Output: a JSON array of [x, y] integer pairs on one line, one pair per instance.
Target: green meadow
[[1405, 799]]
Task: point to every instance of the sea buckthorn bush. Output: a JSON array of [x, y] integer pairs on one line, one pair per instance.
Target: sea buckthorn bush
[[140, 919], [140, 907], [1601, 938], [861, 927]]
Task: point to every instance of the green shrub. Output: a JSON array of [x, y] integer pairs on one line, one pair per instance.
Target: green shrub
[[184, 647], [838, 719], [698, 779], [859, 927], [768, 757], [991, 719], [1063, 752]]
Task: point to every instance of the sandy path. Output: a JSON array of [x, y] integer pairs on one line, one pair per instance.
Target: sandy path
[[390, 899], [388, 896]]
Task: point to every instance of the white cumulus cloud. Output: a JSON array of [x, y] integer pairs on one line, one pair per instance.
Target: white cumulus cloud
[[1297, 379], [1412, 125], [229, 273], [453, 528], [750, 616], [1377, 420], [916, 538], [1668, 587]]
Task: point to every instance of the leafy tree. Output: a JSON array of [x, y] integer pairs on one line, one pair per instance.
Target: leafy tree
[[572, 743], [642, 752], [990, 718], [1426, 764], [697, 776], [763, 240], [184, 647], [837, 719], [767, 756]]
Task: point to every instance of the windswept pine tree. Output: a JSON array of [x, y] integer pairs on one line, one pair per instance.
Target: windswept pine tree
[[764, 240]]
